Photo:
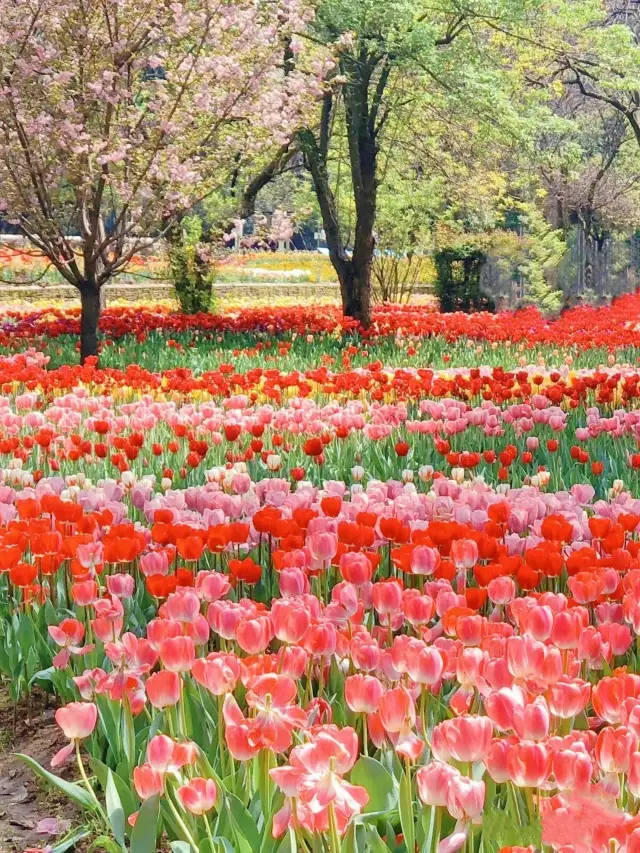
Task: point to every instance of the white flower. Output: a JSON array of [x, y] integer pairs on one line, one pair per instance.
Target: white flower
[[273, 462], [425, 472]]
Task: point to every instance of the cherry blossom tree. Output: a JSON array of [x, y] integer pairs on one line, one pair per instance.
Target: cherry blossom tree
[[118, 116]]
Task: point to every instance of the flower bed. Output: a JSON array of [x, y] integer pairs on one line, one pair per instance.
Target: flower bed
[[313, 590]]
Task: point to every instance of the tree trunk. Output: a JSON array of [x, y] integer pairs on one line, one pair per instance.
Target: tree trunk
[[90, 302], [355, 290], [363, 153], [362, 102]]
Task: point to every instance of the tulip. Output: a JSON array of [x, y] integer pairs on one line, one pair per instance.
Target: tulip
[[572, 770], [424, 560], [496, 759], [502, 704], [465, 798], [633, 776], [356, 568], [464, 739], [531, 722], [147, 782], [387, 596], [120, 585], [163, 689], [198, 796], [433, 782], [160, 752], [363, 693], [178, 654], [501, 590], [568, 697], [77, 719], [613, 749], [567, 628], [528, 764], [182, 606], [464, 554], [218, 675]]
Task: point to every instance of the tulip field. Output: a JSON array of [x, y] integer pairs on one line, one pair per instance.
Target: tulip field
[[292, 586]]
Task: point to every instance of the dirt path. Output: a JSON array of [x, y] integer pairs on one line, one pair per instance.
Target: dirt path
[[24, 801]]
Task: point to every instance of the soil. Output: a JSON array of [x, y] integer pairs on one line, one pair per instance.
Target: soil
[[24, 799]]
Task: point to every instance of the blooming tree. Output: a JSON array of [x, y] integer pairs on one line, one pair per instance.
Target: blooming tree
[[118, 116]]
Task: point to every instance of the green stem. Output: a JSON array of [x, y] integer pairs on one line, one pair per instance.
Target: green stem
[[530, 804], [438, 831], [208, 828], [189, 837], [87, 784]]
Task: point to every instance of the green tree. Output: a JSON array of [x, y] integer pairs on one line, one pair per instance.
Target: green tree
[[397, 64]]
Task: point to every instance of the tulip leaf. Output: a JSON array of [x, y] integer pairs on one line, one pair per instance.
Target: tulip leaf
[[378, 783], [354, 839], [124, 792], [104, 842], [26, 636], [79, 795], [115, 811], [243, 821], [71, 841], [223, 844], [145, 830], [288, 844], [43, 675], [376, 844], [180, 847], [110, 725]]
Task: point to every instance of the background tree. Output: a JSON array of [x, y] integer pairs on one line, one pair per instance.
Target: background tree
[[117, 117], [390, 59]]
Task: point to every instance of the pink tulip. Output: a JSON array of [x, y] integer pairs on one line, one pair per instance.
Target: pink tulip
[[163, 689], [77, 719], [147, 782], [433, 782], [363, 693], [178, 654], [198, 795]]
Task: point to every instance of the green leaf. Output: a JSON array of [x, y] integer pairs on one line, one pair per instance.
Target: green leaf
[[180, 847], [376, 844], [378, 782], [288, 844], [124, 792], [25, 635], [223, 844], [79, 795], [110, 724], [104, 842], [145, 831], [115, 812], [70, 842], [243, 821], [43, 677]]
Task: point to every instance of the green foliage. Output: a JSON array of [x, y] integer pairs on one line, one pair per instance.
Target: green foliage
[[545, 249], [458, 279], [190, 269], [499, 826]]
